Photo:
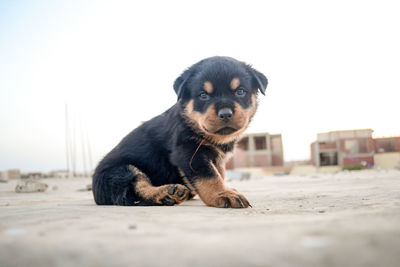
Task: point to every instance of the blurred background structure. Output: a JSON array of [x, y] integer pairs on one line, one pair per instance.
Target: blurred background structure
[[78, 76], [330, 66], [257, 150], [353, 148]]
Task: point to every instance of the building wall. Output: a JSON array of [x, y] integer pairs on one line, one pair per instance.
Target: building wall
[[277, 160], [59, 174], [387, 144], [354, 147], [260, 160], [364, 145], [257, 150], [343, 148], [358, 159], [239, 159], [10, 174], [387, 160]]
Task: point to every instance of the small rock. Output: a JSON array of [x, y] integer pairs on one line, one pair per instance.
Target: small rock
[[281, 173], [87, 188], [314, 242], [54, 187], [30, 186], [238, 175], [132, 227], [14, 231], [321, 211]]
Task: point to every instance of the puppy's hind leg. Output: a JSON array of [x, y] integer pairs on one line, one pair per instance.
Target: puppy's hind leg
[[169, 194], [113, 186]]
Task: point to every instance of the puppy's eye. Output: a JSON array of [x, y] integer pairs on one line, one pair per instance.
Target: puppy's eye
[[240, 92], [204, 96]]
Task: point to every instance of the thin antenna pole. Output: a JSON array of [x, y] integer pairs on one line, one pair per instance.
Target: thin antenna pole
[[89, 148], [73, 149], [67, 138], [83, 149]]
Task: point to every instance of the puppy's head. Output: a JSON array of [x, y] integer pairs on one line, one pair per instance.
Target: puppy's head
[[218, 96]]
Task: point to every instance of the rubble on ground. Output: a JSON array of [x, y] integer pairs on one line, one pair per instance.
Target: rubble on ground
[[30, 186]]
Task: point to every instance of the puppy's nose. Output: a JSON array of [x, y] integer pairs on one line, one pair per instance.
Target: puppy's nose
[[225, 114]]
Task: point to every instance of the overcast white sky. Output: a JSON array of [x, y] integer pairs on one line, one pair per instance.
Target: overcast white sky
[[331, 66]]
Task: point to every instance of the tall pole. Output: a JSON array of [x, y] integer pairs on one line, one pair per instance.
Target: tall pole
[[83, 149], [73, 149], [89, 152], [67, 139]]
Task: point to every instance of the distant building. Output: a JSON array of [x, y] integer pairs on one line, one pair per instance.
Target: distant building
[[387, 152], [257, 150], [387, 144], [33, 175], [343, 148], [59, 174], [351, 147], [10, 174]]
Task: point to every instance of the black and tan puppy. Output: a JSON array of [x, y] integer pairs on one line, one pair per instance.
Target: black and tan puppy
[[183, 151]]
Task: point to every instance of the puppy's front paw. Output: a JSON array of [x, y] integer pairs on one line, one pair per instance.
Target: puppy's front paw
[[231, 199], [173, 194]]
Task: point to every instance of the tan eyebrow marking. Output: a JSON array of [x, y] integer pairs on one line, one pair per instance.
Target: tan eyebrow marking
[[208, 87], [235, 83]]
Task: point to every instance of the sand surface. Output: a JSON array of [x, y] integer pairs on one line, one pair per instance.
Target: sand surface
[[342, 219]]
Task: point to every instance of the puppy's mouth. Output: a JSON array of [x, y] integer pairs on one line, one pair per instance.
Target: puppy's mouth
[[223, 131]]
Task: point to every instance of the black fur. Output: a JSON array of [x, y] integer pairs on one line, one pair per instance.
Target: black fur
[[164, 146]]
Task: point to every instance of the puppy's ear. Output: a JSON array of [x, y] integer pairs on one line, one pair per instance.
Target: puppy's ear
[[181, 82], [259, 80]]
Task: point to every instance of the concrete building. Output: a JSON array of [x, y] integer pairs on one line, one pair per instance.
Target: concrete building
[[387, 144], [257, 150], [10, 174], [352, 147], [59, 174], [343, 148], [387, 152], [32, 175]]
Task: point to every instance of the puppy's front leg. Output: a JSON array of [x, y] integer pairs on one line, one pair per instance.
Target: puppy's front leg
[[213, 192]]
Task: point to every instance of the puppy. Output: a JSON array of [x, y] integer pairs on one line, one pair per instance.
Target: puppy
[[183, 151]]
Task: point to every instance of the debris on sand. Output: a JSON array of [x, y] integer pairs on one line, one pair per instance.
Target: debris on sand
[[14, 231], [237, 175], [3, 179], [132, 227], [87, 188], [30, 186]]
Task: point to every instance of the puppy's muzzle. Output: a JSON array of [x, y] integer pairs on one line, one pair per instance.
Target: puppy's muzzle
[[225, 115]]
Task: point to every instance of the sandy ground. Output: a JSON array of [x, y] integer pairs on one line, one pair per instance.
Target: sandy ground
[[343, 219]]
